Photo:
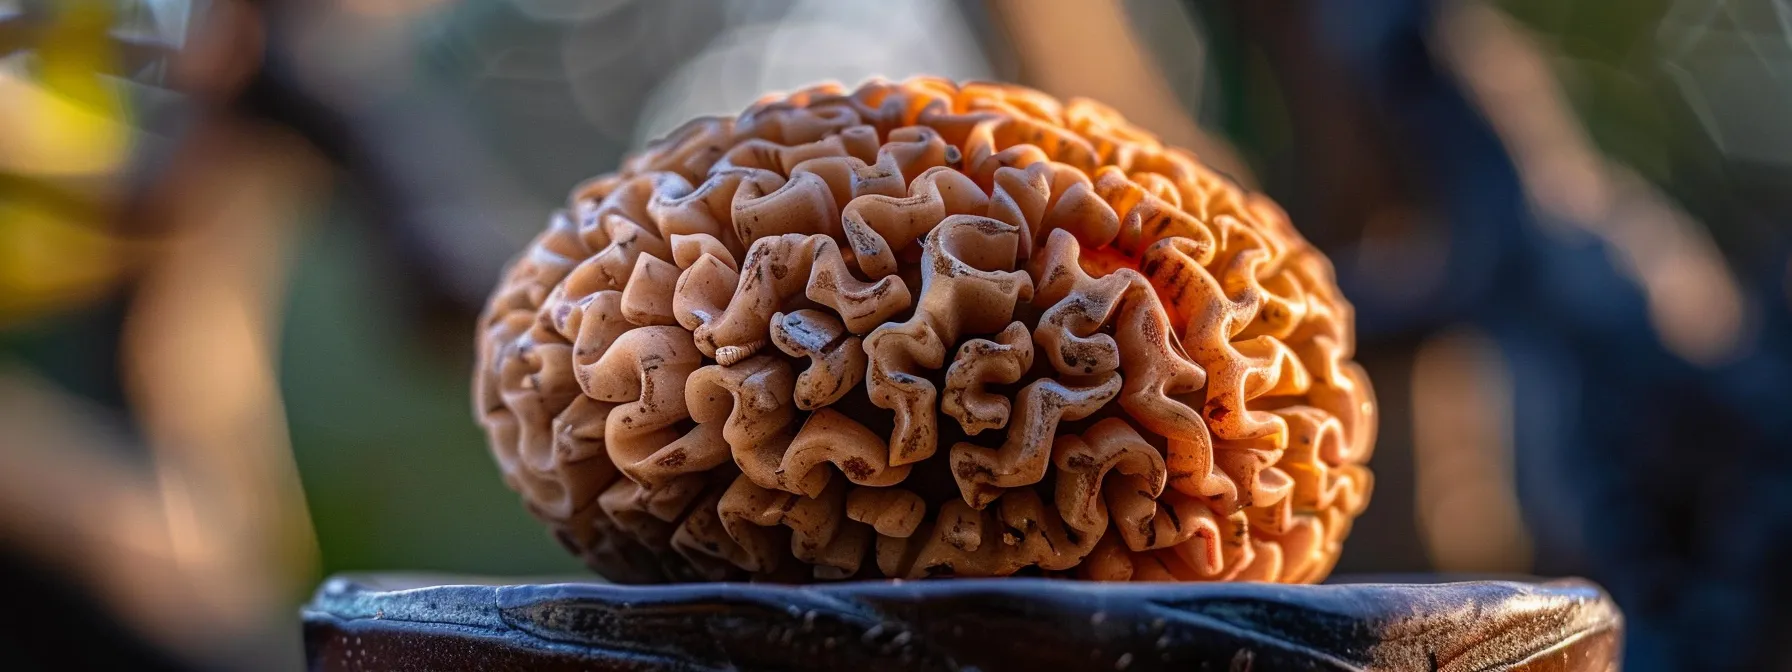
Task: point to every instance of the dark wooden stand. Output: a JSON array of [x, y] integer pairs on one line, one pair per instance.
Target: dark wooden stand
[[399, 623]]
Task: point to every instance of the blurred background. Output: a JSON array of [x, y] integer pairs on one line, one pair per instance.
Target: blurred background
[[242, 244]]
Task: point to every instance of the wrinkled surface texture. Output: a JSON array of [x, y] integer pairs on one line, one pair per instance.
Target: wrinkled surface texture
[[927, 329]]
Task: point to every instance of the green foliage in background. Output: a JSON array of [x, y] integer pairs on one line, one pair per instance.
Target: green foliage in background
[[396, 474]]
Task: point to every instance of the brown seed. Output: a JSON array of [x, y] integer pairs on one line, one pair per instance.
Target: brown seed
[[1153, 364]]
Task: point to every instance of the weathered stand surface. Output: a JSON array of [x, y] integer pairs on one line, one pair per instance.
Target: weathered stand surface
[[375, 623]]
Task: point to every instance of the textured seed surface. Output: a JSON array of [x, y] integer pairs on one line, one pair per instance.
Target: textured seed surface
[[920, 329]]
